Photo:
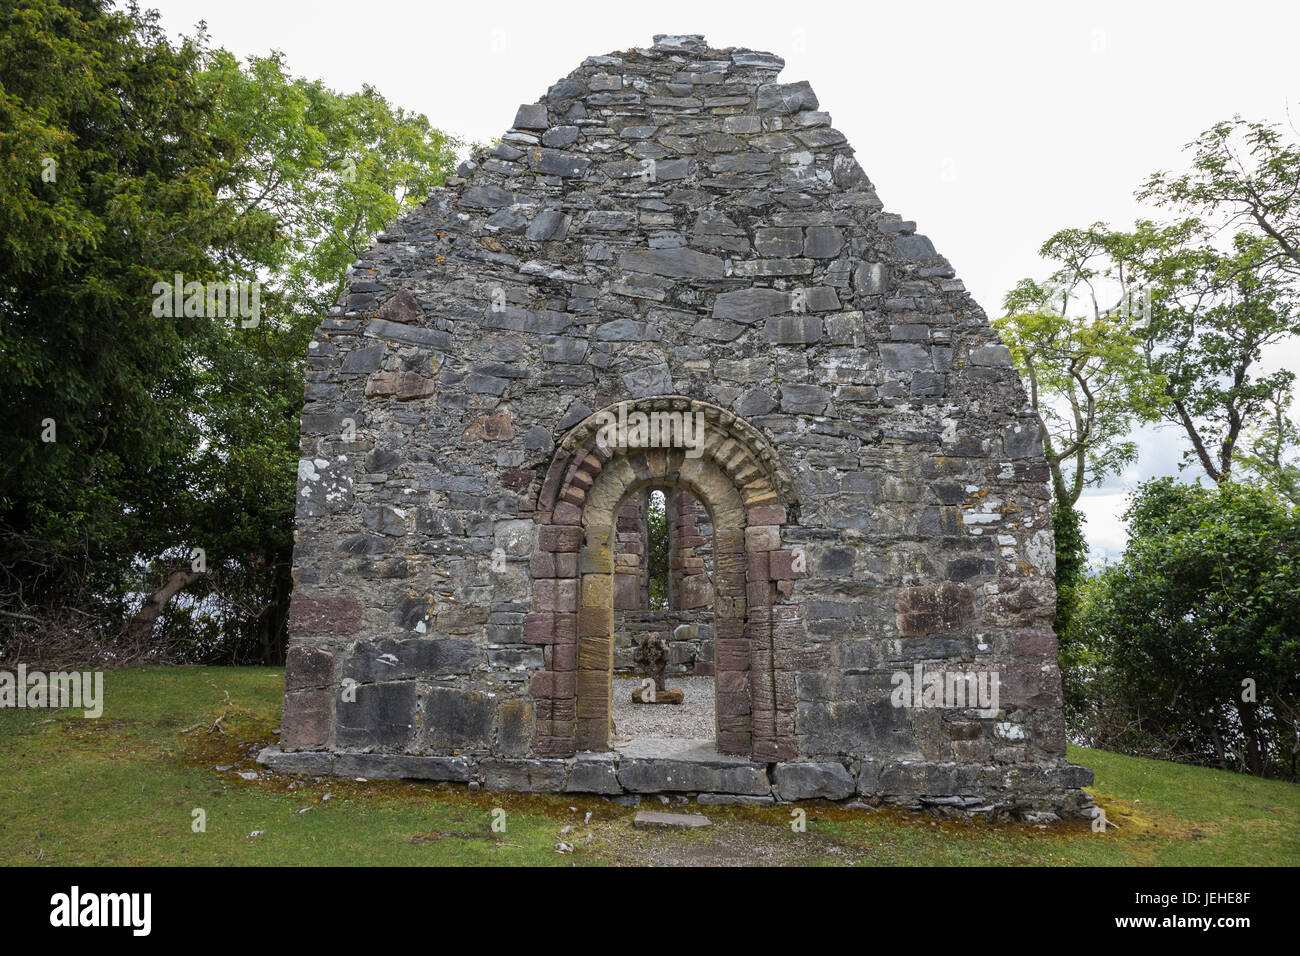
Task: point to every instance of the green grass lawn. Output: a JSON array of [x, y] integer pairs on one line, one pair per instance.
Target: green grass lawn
[[124, 788]]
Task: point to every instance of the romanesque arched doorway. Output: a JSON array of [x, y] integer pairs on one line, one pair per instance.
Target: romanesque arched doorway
[[727, 465]]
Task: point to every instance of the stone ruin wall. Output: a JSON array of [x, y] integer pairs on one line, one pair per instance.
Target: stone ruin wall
[[671, 221]]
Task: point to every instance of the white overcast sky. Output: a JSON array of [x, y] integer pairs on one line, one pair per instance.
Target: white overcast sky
[[990, 124]]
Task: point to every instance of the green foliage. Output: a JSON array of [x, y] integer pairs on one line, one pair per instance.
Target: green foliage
[[136, 159], [1081, 362], [657, 548], [1206, 597], [173, 433], [1071, 554], [1213, 313], [1244, 175]]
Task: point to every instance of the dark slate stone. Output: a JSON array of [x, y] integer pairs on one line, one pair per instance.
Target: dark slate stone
[[793, 329], [750, 305], [1022, 441], [813, 781], [382, 715], [905, 357], [559, 136], [808, 399], [408, 334], [364, 360], [457, 719], [674, 263], [914, 247], [531, 116], [823, 242], [786, 97], [392, 659], [549, 224], [652, 380]]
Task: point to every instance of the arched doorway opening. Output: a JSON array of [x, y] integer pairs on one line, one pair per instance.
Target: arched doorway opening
[[733, 472]]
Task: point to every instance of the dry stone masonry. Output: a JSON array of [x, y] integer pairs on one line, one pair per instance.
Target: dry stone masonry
[[673, 230]]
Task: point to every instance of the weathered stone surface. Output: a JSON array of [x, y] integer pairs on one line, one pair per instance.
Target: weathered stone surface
[[401, 767], [672, 230], [679, 262], [813, 781], [395, 659], [306, 667], [657, 820], [306, 721], [534, 776], [653, 766], [327, 614], [750, 305], [593, 773], [381, 715], [309, 762]]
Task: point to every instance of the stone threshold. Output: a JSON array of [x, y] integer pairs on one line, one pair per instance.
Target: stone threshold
[[649, 767]]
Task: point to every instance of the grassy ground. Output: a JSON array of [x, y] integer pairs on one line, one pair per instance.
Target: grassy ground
[[123, 789]]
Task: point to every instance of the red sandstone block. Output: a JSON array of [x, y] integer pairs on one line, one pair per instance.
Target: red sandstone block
[[552, 709], [553, 746], [733, 705], [767, 514], [542, 684], [539, 628], [544, 595], [542, 565], [557, 537], [306, 666], [759, 565], [731, 654], [1035, 643], [306, 721], [566, 594], [564, 657], [730, 682], [627, 592], [734, 742], [327, 614], [758, 594], [788, 565], [566, 627], [772, 751], [735, 724], [567, 513], [566, 564]]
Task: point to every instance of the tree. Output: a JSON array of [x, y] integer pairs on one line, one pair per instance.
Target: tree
[[324, 172], [1213, 313], [1244, 175], [113, 162], [174, 432], [1082, 360], [1193, 639]]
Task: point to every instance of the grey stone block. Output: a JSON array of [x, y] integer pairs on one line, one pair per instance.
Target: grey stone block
[[813, 781]]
